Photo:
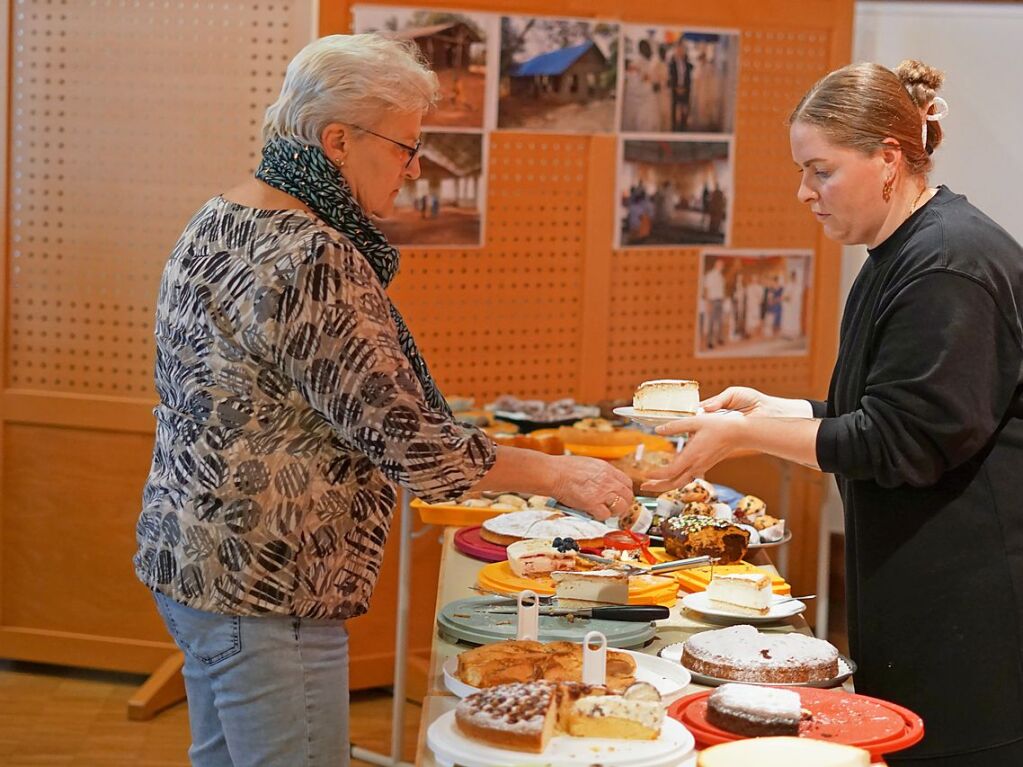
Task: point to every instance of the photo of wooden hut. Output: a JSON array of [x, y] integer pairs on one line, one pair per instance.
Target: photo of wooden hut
[[444, 205], [557, 75], [455, 46]]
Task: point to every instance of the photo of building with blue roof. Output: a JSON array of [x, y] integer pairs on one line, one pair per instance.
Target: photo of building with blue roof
[[558, 74]]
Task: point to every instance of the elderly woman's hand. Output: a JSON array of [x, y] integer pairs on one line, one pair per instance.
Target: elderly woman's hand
[[593, 486], [712, 438]]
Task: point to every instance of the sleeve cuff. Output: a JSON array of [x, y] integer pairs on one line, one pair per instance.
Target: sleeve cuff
[[819, 408], [827, 445]]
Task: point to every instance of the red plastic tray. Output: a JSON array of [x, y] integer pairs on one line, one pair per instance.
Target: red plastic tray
[[469, 542], [876, 725]]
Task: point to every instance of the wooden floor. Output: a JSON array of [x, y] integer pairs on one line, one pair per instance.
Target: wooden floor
[[52, 715]]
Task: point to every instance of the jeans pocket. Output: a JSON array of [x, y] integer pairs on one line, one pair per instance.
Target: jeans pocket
[[208, 637]]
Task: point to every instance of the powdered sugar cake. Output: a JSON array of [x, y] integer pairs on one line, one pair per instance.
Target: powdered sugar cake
[[755, 711], [536, 523], [743, 654]]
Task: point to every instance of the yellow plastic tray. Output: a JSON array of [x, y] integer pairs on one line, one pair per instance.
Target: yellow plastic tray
[[697, 578]]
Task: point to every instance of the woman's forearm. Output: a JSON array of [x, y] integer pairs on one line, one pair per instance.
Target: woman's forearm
[[525, 471], [793, 438]]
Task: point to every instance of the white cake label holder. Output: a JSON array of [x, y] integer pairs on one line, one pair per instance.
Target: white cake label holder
[[594, 658], [528, 616]]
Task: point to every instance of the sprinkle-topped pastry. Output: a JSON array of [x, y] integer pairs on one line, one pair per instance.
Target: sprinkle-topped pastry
[[697, 535], [755, 711], [743, 654], [669, 396]]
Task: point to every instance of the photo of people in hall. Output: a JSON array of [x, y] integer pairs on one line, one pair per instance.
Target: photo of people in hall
[[454, 45], [678, 81], [673, 192], [557, 75], [753, 303], [444, 205]]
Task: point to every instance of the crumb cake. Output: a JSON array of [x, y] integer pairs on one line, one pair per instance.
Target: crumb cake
[[783, 752], [671, 397], [743, 654], [696, 535], [741, 593], [526, 660], [525, 716], [755, 711]]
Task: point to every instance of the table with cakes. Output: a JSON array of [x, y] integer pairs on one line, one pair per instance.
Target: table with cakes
[[662, 638]]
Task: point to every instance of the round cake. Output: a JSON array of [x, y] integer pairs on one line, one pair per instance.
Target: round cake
[[743, 654], [783, 752], [754, 711], [537, 523]]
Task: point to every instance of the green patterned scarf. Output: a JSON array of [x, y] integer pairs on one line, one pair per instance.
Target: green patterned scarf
[[305, 172]]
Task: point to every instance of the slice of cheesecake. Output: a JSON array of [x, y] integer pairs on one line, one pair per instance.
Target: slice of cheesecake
[[742, 593]]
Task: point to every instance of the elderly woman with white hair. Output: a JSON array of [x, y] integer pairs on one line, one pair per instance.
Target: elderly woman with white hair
[[293, 399]]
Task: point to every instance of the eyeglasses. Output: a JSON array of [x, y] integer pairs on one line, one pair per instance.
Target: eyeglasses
[[413, 151]]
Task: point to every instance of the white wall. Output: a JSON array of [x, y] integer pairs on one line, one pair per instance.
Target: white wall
[[977, 45]]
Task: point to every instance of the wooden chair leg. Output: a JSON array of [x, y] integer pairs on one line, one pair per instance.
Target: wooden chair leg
[[163, 689]]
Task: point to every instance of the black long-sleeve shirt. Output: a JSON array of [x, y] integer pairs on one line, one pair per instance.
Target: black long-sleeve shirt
[[923, 428]]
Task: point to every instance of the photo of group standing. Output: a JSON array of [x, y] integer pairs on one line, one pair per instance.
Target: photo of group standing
[[753, 303], [677, 81], [557, 75], [673, 192], [454, 45], [444, 205]]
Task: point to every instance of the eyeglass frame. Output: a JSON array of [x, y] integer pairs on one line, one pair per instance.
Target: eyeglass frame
[[412, 150]]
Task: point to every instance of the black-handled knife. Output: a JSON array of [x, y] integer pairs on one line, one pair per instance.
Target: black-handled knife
[[637, 613]]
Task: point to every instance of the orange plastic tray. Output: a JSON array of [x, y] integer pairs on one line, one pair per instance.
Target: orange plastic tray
[[697, 578], [643, 589], [451, 514]]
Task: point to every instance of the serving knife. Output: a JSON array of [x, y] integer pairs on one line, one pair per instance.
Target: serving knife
[[637, 613], [663, 567]]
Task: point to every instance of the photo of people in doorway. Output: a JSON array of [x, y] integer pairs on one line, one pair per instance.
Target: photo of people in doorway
[[753, 303], [454, 44], [557, 75], [444, 206], [673, 192], [678, 81]]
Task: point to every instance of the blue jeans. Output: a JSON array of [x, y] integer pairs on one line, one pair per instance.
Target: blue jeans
[[270, 691]]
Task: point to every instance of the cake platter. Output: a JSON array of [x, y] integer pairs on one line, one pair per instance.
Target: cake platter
[[782, 608], [670, 679], [673, 652], [464, 620], [857, 720], [671, 749]]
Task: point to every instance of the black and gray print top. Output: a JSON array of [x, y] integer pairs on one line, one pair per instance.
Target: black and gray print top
[[287, 412]]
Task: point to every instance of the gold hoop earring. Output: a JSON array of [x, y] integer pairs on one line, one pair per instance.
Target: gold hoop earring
[[886, 190]]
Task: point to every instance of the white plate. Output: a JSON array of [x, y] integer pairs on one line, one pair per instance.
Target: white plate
[[648, 417], [669, 678], [700, 602], [657, 417], [671, 749], [673, 653]]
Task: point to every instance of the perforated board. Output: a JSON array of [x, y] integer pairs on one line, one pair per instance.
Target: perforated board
[[126, 115]]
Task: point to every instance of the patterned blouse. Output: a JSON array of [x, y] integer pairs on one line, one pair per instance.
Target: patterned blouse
[[287, 414]]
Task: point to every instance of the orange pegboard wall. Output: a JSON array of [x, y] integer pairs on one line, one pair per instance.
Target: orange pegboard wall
[[508, 318]]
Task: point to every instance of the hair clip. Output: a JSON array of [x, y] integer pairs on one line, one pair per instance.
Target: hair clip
[[942, 109]]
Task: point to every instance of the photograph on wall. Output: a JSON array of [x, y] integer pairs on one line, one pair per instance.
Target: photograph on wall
[[444, 206], [557, 75], [678, 81], [673, 192], [754, 303], [454, 44]]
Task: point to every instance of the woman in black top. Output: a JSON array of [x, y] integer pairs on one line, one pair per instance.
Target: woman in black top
[[923, 426]]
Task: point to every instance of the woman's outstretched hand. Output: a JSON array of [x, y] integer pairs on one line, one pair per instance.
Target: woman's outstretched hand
[[593, 486], [712, 438]]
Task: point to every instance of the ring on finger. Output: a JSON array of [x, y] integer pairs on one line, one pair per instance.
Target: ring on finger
[[614, 500]]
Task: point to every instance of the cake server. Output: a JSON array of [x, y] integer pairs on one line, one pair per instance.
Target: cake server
[[663, 567], [639, 613]]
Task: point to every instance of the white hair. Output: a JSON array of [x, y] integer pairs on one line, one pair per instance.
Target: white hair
[[355, 79]]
